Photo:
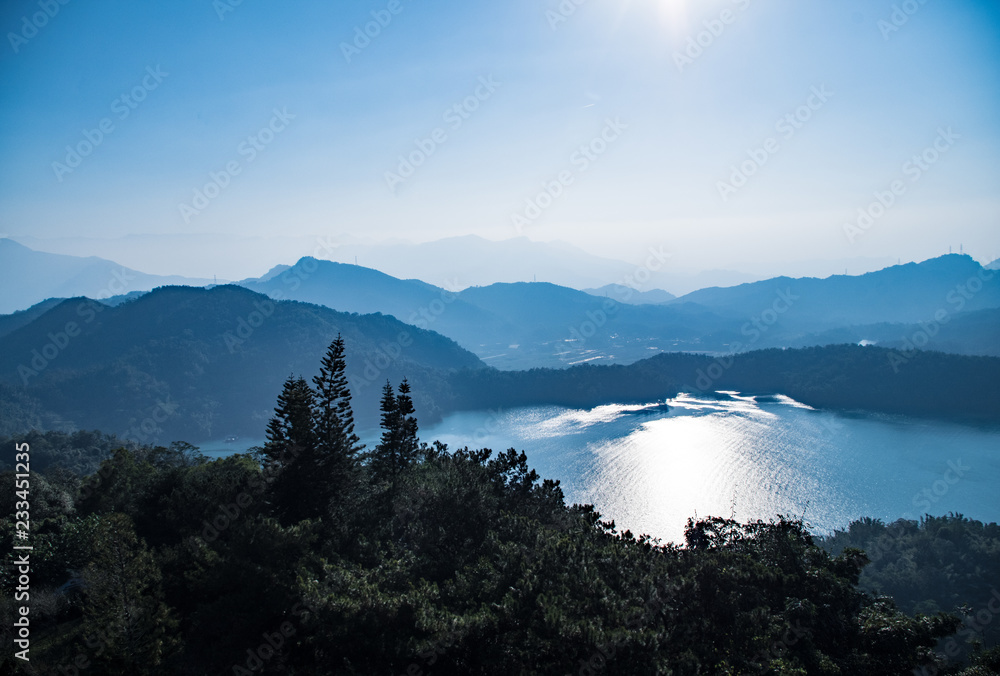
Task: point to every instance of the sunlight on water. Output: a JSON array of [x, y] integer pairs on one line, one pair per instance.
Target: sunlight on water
[[650, 469]]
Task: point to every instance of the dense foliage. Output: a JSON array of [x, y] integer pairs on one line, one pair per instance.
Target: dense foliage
[[947, 563], [80, 453], [313, 557]]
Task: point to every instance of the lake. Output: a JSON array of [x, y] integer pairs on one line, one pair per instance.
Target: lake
[[650, 469]]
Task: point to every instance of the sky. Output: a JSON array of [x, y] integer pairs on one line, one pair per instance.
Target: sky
[[729, 132]]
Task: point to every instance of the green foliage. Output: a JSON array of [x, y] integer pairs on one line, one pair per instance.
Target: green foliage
[[399, 445], [122, 602], [939, 564], [474, 565], [78, 452], [312, 450]]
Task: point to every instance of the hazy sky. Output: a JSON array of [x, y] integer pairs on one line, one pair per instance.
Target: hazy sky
[[299, 116]]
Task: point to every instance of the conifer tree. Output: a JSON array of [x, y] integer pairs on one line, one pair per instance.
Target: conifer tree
[[408, 442], [398, 447], [384, 458], [336, 463], [291, 443]]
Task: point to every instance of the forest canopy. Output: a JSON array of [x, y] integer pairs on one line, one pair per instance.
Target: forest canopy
[[315, 555]]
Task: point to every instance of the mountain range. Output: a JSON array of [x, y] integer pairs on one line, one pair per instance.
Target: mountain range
[[183, 363], [196, 363], [28, 277], [530, 324], [942, 303], [454, 261]]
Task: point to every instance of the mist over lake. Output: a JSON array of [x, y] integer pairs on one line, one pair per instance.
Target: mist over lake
[[650, 469]]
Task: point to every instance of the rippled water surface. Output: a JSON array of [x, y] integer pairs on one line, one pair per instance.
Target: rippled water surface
[[650, 469]]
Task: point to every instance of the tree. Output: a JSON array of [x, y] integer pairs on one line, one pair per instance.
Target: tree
[[399, 445], [123, 611], [383, 457], [291, 443], [409, 444], [336, 462]]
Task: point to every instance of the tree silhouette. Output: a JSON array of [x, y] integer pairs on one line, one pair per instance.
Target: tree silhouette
[[399, 445], [335, 464], [290, 450]]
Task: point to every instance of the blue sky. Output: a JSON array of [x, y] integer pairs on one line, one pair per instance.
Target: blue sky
[[681, 126]]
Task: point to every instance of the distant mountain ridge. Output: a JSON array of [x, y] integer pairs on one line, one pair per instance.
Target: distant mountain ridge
[[28, 277], [530, 324], [518, 325], [510, 325], [630, 295], [908, 293]]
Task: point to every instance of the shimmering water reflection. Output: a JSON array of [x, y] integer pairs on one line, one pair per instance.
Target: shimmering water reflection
[[650, 469]]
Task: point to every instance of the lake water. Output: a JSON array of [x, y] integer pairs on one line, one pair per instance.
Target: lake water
[[650, 469]]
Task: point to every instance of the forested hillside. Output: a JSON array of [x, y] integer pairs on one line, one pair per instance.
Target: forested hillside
[[195, 364], [315, 556], [845, 377]]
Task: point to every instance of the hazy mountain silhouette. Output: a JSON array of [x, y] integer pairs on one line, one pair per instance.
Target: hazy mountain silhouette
[[909, 293], [352, 288], [632, 296], [974, 333], [509, 325], [190, 363], [458, 262], [530, 324], [28, 277]]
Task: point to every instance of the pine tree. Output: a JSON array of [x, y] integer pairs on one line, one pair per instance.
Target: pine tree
[[398, 447], [291, 443], [409, 444], [336, 463], [384, 458]]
